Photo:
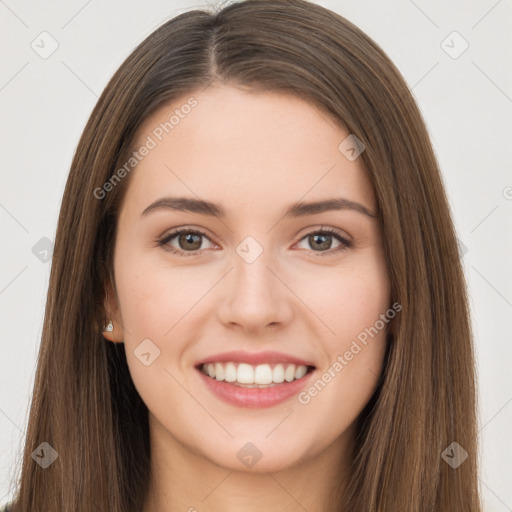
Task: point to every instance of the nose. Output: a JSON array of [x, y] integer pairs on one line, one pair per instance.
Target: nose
[[255, 297]]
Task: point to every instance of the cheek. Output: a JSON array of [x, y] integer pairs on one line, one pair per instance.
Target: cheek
[[154, 298], [355, 356], [157, 304], [349, 299], [361, 308], [149, 306], [356, 351]]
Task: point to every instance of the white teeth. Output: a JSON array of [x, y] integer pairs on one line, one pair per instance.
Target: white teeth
[[230, 373], [300, 372], [219, 371], [278, 373], [263, 374], [245, 374], [289, 374], [259, 375]]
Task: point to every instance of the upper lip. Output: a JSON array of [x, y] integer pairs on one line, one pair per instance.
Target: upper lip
[[254, 358]]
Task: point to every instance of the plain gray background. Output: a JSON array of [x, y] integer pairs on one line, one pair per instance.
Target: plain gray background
[[466, 101]]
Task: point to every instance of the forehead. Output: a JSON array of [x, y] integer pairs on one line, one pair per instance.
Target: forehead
[[244, 150]]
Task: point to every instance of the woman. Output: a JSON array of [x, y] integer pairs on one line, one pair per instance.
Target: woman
[[313, 350]]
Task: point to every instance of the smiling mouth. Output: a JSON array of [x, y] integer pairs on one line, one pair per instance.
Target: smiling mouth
[[255, 376]]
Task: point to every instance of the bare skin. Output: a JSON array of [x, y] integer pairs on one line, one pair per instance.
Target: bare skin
[[253, 154]]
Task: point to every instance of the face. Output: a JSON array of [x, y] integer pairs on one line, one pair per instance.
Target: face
[[269, 286]]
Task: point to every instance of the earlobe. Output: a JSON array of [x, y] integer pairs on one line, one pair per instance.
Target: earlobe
[[108, 333], [109, 327], [109, 330]]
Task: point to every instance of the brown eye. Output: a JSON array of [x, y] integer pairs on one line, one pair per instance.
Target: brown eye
[[321, 241], [188, 241]]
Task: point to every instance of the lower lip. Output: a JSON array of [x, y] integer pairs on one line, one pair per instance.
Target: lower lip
[[254, 397]]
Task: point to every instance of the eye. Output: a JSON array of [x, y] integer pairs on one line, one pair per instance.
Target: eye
[[191, 241], [186, 238], [322, 239]]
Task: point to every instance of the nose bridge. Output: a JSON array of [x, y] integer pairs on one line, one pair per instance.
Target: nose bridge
[[256, 296], [254, 280]]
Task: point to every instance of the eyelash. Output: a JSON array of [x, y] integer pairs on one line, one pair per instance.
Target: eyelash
[[162, 242]]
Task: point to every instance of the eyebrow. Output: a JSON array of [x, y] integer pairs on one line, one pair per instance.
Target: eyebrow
[[300, 209]]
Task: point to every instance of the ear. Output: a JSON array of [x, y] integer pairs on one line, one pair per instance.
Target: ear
[[112, 313]]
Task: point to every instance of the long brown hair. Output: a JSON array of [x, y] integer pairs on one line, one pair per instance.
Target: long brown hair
[[84, 402]]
